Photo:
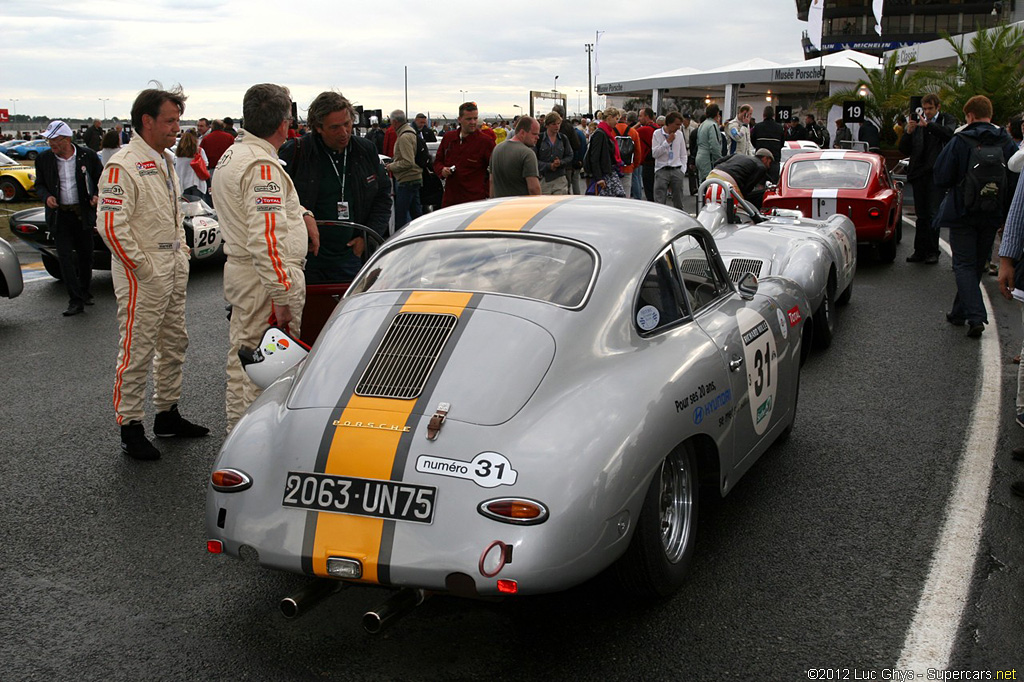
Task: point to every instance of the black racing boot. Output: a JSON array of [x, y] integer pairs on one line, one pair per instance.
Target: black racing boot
[[135, 444], [171, 424]]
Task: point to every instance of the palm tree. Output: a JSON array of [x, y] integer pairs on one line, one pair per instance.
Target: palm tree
[[993, 67], [888, 93]]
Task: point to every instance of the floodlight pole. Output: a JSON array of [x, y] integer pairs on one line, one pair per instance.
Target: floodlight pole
[[590, 79]]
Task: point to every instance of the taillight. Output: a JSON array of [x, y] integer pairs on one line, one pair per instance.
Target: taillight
[[874, 212], [214, 546], [25, 228], [514, 510], [230, 480], [507, 586]]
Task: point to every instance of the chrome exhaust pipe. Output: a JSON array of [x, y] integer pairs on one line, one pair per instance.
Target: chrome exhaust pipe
[[397, 605], [308, 596]]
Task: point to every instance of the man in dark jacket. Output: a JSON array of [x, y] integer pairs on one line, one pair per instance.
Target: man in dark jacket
[[922, 141], [769, 134], [970, 233], [66, 181], [338, 176], [93, 135], [745, 173]]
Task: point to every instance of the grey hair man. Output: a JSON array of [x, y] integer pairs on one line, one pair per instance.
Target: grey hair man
[[265, 235], [407, 173]]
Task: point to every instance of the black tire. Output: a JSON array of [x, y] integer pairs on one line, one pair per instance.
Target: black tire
[[844, 298], [899, 227], [32, 155], [52, 266], [10, 190], [887, 251], [825, 318], [659, 554]]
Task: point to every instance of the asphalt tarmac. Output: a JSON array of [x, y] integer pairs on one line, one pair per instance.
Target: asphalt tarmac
[[814, 563]]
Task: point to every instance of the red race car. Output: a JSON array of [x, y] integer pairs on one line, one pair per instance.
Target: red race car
[[855, 184]]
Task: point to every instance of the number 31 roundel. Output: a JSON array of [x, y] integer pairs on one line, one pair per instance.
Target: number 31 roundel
[[760, 355]]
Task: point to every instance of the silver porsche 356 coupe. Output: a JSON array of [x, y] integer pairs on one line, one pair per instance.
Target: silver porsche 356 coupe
[[512, 397]]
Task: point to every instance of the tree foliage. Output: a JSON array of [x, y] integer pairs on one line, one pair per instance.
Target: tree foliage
[[993, 66]]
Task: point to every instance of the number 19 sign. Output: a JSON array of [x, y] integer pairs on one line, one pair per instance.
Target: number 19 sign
[[853, 111]]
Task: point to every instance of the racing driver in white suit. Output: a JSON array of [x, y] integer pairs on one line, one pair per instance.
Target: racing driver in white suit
[[738, 130], [266, 233], [142, 226]]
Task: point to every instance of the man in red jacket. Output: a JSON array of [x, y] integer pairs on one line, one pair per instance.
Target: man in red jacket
[[215, 143], [462, 159]]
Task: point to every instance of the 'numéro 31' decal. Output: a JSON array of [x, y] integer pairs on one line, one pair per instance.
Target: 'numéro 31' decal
[[760, 353], [487, 470]]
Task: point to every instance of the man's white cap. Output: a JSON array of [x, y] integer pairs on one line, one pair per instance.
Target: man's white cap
[[57, 129]]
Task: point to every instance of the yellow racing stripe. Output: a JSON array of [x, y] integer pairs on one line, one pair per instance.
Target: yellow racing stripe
[[511, 216], [370, 453]]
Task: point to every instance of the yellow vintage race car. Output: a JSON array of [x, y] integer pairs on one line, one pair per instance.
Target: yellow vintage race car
[[16, 181]]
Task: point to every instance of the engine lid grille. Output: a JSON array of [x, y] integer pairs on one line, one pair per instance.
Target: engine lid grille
[[406, 356], [741, 266]]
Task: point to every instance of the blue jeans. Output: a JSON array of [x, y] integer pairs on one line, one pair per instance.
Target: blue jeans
[[407, 203], [638, 183], [971, 247]]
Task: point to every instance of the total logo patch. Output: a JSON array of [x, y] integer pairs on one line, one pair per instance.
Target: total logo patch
[[794, 316], [487, 470], [268, 200], [107, 201], [145, 165]]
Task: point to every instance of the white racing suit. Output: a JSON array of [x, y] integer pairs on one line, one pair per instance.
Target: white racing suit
[[265, 240], [141, 223], [740, 134]]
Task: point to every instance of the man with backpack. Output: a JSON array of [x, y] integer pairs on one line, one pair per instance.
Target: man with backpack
[[923, 139], [629, 149], [406, 169], [972, 167]]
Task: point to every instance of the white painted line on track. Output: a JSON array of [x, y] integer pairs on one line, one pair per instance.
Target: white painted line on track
[[932, 634]]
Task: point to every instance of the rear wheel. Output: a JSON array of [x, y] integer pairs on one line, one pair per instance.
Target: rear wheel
[[52, 266], [32, 155], [844, 298], [10, 190], [659, 554], [825, 317], [899, 227], [887, 250]]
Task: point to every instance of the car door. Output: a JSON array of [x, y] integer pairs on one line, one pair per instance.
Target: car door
[[746, 334]]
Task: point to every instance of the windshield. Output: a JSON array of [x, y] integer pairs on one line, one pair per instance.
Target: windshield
[[829, 174], [7, 161], [541, 269]]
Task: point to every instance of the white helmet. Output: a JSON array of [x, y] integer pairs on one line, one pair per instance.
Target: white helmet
[[277, 353]]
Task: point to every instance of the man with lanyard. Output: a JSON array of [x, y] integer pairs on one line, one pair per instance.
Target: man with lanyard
[[340, 177], [66, 181], [462, 159], [142, 227]]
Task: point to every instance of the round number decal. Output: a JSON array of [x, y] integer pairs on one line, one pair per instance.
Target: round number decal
[[760, 354]]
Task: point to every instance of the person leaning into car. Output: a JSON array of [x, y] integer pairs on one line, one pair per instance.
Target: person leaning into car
[[924, 138], [265, 235], [338, 176], [67, 179], [142, 227]]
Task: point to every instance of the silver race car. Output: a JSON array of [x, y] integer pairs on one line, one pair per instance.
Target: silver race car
[[513, 396], [820, 255]]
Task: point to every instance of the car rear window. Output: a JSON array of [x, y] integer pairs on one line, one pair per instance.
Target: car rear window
[[829, 174], [542, 269]]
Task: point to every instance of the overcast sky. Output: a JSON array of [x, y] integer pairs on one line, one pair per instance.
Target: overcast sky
[[61, 57]]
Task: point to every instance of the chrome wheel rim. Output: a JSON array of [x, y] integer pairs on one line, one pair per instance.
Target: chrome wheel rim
[[675, 506]]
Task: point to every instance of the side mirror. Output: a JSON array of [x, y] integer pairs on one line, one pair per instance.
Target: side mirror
[[747, 286]]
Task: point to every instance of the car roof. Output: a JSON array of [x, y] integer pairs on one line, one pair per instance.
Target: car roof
[[612, 226], [871, 157]]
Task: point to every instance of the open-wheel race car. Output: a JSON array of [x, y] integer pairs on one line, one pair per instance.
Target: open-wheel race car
[[513, 396], [855, 184], [820, 255]]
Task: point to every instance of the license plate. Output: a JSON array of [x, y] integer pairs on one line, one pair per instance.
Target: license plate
[[360, 496]]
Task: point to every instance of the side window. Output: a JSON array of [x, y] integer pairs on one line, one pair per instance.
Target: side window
[[701, 282], [660, 301]]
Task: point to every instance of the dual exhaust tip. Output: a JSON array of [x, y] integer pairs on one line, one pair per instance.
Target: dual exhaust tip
[[309, 595]]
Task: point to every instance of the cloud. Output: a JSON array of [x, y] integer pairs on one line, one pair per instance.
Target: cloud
[[62, 57]]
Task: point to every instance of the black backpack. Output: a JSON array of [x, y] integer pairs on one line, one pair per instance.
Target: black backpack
[[986, 182], [422, 153], [626, 148]]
